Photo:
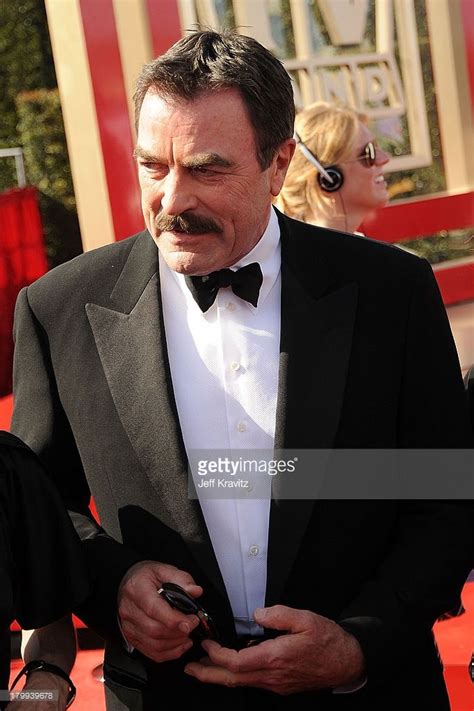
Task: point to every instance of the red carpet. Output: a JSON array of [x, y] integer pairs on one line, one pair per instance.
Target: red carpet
[[6, 407], [455, 639]]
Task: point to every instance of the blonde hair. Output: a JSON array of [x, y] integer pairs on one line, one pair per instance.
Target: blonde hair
[[330, 132]]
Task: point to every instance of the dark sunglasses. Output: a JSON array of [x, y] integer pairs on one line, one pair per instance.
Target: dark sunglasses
[[180, 600], [368, 155]]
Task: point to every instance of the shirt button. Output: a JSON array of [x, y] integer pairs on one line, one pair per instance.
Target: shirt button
[[242, 427], [230, 306], [254, 549], [235, 365]]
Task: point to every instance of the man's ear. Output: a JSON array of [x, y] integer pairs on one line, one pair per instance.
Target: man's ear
[[280, 164]]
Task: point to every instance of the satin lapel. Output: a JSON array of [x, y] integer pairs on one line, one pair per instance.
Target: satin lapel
[[317, 320], [131, 342]]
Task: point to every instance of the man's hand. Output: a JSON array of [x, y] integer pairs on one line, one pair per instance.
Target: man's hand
[[315, 653], [40, 683], [148, 622]]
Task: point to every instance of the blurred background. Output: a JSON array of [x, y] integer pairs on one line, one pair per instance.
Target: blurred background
[[67, 176]]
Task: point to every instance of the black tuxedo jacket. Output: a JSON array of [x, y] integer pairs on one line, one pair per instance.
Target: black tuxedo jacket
[[367, 361]]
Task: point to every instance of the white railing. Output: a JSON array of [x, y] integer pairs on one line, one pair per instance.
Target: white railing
[[17, 154]]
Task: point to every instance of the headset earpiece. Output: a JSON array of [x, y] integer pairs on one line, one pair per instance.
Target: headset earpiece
[[333, 184], [330, 179]]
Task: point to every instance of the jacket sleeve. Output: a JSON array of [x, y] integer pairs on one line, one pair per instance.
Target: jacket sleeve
[[40, 421], [431, 553]]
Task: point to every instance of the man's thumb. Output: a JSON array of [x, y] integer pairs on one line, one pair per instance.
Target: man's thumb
[[278, 617]]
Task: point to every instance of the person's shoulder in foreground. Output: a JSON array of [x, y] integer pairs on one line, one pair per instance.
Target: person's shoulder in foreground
[[8, 439], [46, 560], [42, 570]]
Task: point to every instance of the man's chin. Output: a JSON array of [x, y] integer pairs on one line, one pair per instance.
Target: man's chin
[[186, 263]]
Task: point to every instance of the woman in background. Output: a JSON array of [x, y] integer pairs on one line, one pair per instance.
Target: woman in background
[[336, 176]]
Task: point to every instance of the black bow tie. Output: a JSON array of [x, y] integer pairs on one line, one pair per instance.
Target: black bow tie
[[245, 283]]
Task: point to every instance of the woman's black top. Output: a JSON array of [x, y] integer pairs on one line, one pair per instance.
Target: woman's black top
[[42, 573]]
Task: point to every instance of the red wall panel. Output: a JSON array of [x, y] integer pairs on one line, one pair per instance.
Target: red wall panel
[[112, 115], [165, 28], [22, 260]]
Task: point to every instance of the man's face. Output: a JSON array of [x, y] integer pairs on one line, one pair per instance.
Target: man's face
[[197, 161]]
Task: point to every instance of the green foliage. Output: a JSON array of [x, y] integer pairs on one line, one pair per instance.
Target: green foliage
[[41, 132], [26, 61], [443, 246], [33, 121], [287, 29]]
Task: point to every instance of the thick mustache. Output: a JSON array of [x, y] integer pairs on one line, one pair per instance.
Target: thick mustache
[[186, 222]]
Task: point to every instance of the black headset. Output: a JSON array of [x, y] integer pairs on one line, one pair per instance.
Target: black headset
[[330, 178]]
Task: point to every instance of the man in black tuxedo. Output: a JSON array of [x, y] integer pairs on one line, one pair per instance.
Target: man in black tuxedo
[[131, 357]]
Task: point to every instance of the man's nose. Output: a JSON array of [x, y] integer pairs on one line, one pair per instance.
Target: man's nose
[[178, 194]]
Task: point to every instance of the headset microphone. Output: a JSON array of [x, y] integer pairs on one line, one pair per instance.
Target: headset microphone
[[331, 178]]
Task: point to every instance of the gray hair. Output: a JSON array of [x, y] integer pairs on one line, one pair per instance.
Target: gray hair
[[208, 61]]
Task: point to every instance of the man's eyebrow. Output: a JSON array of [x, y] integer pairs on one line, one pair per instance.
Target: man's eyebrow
[[144, 155], [199, 161], [205, 159]]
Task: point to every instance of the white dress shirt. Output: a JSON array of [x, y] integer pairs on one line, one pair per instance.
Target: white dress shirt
[[224, 368]]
